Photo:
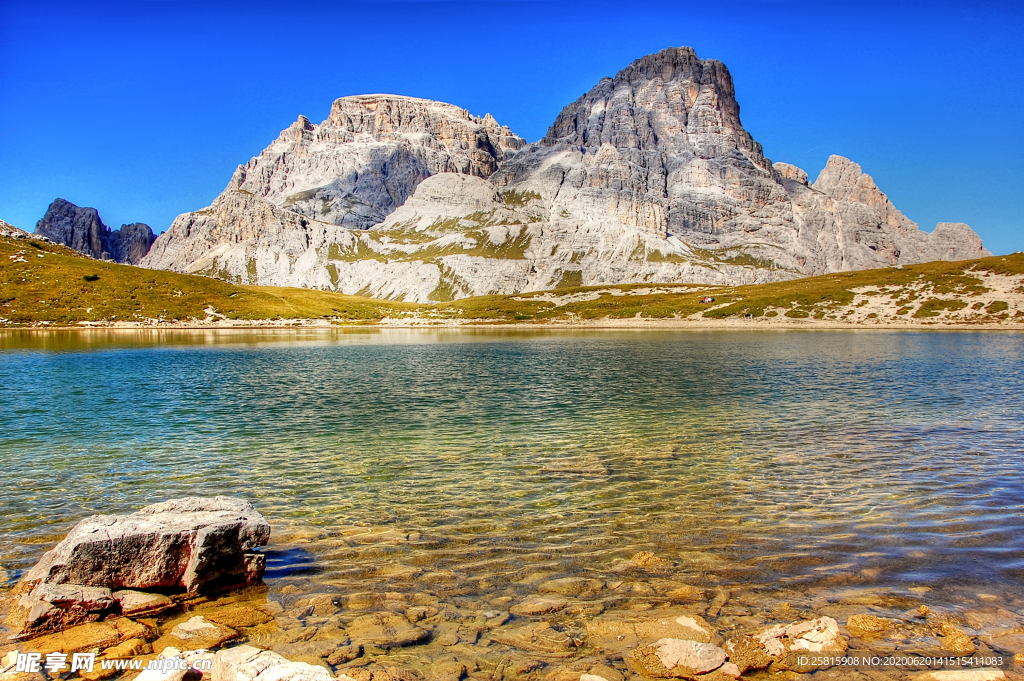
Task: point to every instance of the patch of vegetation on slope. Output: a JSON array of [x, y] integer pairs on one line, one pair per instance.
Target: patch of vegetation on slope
[[914, 288], [42, 282]]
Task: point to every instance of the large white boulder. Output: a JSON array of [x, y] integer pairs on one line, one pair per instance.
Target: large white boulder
[[188, 544]]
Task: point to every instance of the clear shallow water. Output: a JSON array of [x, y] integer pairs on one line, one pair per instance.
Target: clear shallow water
[[773, 458]]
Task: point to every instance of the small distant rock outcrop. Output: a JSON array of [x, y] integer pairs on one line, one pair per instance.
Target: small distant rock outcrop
[[12, 232], [82, 230], [110, 564], [648, 177]]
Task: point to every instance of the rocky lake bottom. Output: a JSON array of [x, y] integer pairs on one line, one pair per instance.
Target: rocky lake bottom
[[518, 504]]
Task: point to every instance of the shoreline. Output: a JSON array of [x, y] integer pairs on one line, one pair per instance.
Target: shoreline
[[777, 323]]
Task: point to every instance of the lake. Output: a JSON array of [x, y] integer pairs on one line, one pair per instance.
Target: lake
[[481, 461]]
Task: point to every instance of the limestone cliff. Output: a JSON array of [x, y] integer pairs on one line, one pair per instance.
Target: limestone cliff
[[81, 229], [366, 159], [648, 177]]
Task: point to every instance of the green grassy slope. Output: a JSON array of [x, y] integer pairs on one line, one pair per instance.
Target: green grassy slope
[[58, 285], [40, 282]]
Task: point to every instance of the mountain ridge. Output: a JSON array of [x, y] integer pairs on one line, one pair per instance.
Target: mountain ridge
[[647, 177]]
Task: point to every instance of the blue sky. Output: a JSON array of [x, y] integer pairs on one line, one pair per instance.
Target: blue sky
[[144, 109]]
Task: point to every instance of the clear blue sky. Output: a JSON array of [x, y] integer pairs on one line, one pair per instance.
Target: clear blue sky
[[144, 109]]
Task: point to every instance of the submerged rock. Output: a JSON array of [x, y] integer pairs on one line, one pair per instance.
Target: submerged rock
[[868, 625], [246, 663], [648, 561], [538, 637], [197, 633], [538, 606], [675, 658], [955, 641], [615, 633], [962, 675], [575, 587], [184, 544], [141, 603], [771, 646], [385, 629]]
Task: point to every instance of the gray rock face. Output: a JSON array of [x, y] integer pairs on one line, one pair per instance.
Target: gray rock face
[[659, 146], [81, 229], [855, 226], [649, 177], [366, 159], [131, 243], [188, 544]]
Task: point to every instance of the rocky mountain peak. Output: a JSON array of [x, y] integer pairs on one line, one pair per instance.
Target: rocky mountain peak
[[788, 171], [369, 155], [669, 101], [662, 142], [841, 178], [647, 177], [82, 230]]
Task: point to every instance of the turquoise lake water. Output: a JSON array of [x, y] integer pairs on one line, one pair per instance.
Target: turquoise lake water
[[783, 458]]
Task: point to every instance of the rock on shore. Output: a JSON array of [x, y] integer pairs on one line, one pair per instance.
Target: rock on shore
[[107, 563]]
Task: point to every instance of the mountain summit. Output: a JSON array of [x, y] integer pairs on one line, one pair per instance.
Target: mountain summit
[[84, 231], [648, 177]]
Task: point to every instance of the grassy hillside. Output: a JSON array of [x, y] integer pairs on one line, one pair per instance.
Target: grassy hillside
[[44, 283], [971, 291]]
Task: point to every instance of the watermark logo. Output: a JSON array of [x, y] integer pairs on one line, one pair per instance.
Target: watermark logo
[[56, 663]]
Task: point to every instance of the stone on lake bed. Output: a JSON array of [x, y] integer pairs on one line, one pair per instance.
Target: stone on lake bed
[[730, 669], [307, 649], [813, 635], [76, 639], [238, 616], [323, 605], [961, 675], [614, 633], [141, 603], [867, 625], [675, 658], [685, 592], [538, 606], [130, 648], [606, 672], [131, 629], [648, 561], [772, 644], [296, 671], [196, 633], [385, 629], [955, 641], [537, 637], [446, 670], [247, 663], [243, 663], [572, 586]]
